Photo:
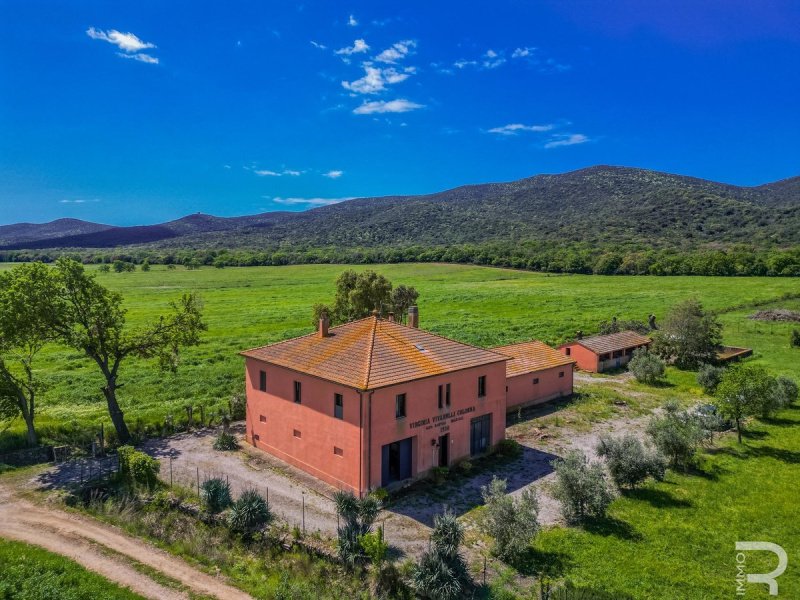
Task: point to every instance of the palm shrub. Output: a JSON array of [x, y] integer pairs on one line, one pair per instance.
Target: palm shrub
[[511, 523], [441, 573], [215, 494], [629, 462], [357, 517], [249, 513], [676, 434], [581, 487], [225, 441], [708, 378]]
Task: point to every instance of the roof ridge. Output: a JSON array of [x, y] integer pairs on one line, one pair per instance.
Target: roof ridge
[[369, 352], [446, 338]]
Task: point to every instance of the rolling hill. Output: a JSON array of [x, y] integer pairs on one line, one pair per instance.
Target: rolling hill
[[603, 206]]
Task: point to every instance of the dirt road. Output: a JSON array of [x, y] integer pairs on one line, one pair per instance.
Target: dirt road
[[105, 550]]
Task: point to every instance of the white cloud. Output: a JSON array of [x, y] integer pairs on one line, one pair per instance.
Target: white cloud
[[516, 128], [318, 45], [523, 52], [268, 173], [141, 57], [78, 201], [352, 21], [333, 174], [125, 41], [396, 52], [566, 139], [492, 59], [358, 47], [376, 79], [391, 106], [462, 64], [307, 201]]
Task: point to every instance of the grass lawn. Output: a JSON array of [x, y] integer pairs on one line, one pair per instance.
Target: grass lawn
[[676, 539], [247, 307], [30, 573]]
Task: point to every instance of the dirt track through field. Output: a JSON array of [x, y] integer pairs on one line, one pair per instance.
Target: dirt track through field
[[84, 540]]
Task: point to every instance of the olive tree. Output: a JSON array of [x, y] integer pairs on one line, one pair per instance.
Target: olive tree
[[689, 335], [581, 487], [93, 322], [512, 523], [646, 366], [629, 461], [744, 391], [676, 433]]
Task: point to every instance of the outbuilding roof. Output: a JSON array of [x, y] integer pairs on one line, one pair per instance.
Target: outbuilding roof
[[602, 344], [527, 357], [372, 353]]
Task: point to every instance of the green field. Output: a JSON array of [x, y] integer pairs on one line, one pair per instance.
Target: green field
[[30, 573], [247, 307]]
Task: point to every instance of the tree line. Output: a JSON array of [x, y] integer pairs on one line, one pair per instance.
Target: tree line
[[533, 256], [65, 305]]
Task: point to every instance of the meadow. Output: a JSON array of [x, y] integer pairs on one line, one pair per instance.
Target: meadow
[[252, 306]]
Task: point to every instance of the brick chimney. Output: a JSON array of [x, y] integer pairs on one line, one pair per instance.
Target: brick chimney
[[391, 317], [413, 316], [324, 324]]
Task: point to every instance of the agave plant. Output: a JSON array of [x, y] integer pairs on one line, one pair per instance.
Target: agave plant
[[225, 441], [249, 513], [358, 516], [215, 494], [442, 572]]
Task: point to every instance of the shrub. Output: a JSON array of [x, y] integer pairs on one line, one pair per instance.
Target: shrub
[[676, 434], [374, 547], [581, 487], [708, 378], [511, 523], [215, 494], [439, 474], [689, 335], [441, 573], [238, 407], [785, 391], [744, 391], [136, 467], [380, 494], [629, 462], [464, 467], [358, 516], [225, 441], [508, 448], [794, 338], [249, 513], [646, 367]]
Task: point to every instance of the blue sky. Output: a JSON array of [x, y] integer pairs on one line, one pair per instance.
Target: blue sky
[[128, 113]]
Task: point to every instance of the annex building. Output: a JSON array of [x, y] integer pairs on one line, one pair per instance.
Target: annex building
[[603, 352]]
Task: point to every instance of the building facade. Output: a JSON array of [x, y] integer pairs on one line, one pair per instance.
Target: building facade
[[374, 403], [604, 352], [535, 373]]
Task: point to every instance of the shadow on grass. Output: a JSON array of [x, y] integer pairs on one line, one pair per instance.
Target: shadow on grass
[[657, 498], [542, 564], [612, 527], [779, 422], [750, 434], [745, 452]]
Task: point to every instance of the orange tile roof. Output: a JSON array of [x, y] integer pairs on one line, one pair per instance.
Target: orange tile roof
[[527, 357], [371, 353], [602, 344]]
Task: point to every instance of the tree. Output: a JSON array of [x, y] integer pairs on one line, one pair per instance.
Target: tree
[[794, 338], [615, 326], [93, 321], [708, 378], [629, 462], [401, 299], [676, 434], [581, 487], [28, 303], [689, 335], [744, 391], [785, 391], [511, 523], [646, 366], [317, 311], [358, 294], [441, 573], [358, 516], [145, 265]]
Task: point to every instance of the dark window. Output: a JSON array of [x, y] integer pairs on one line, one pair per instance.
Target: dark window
[[568, 351], [441, 396], [297, 392], [262, 418], [296, 433], [400, 406], [262, 381], [482, 386], [561, 373], [338, 406], [338, 451], [480, 435], [535, 381], [604, 357], [447, 395], [256, 437]]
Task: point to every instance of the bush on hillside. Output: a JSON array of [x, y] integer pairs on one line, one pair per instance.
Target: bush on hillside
[[629, 462], [646, 366], [581, 487], [708, 377]]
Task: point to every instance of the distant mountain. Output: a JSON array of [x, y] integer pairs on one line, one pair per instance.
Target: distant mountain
[[602, 205]]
